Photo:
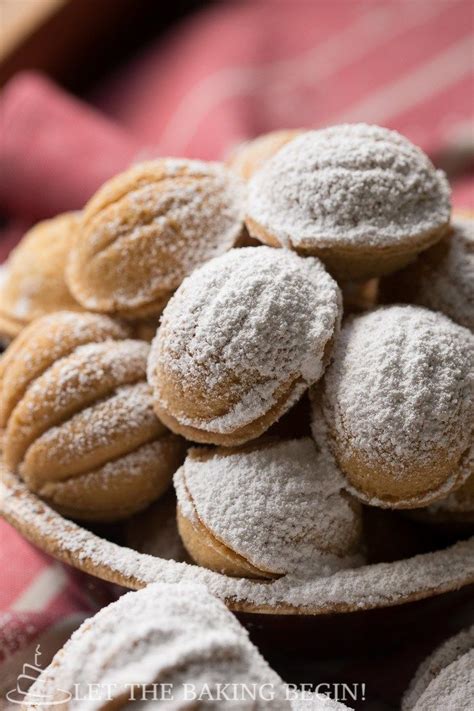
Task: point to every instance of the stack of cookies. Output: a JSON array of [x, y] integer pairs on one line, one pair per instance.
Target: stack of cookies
[[98, 422]]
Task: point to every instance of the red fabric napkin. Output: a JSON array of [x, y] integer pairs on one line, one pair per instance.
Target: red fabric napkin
[[225, 74], [243, 68], [55, 150]]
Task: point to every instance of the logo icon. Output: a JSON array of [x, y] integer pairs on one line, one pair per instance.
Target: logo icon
[[21, 694]]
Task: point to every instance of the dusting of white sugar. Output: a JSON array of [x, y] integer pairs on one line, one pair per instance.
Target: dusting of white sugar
[[41, 344], [69, 385], [275, 504], [116, 424], [349, 184], [349, 589], [243, 327], [400, 389], [164, 634], [443, 277], [446, 679], [149, 227]]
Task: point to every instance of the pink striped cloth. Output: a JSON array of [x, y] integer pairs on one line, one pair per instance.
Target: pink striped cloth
[[226, 74]]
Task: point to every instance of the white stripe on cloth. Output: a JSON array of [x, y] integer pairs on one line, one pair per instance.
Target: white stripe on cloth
[[372, 29], [47, 585], [414, 87]]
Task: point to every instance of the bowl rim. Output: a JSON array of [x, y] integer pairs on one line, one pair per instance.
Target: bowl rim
[[70, 543]]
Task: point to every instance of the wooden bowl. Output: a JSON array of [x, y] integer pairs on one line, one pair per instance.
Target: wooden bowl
[[372, 586]]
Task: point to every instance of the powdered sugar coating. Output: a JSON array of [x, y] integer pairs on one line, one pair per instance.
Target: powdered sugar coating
[[92, 371], [41, 344], [88, 365], [33, 282], [274, 504], [149, 227], [365, 587], [121, 486], [242, 327], [452, 689], [400, 394], [112, 427], [83, 432], [442, 278], [446, 678], [180, 634], [352, 184], [450, 287]]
